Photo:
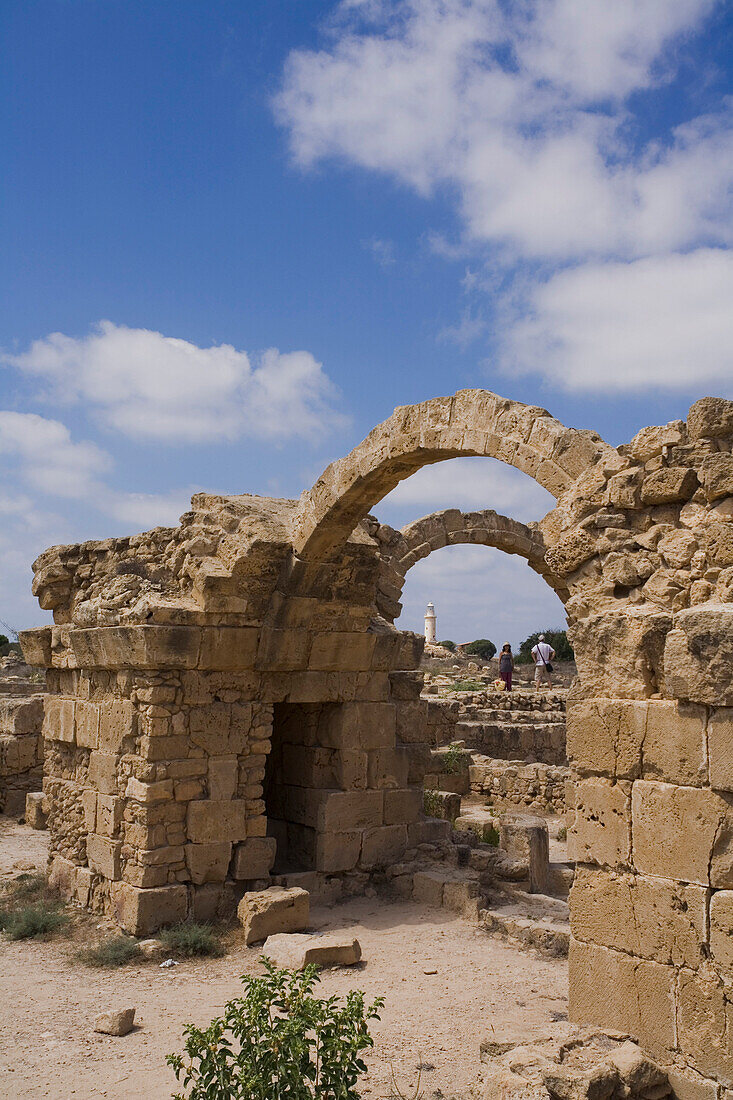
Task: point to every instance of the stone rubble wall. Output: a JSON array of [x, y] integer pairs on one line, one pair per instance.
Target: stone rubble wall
[[21, 750], [516, 783]]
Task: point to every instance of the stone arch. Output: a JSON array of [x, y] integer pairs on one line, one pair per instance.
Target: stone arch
[[452, 527], [470, 423]]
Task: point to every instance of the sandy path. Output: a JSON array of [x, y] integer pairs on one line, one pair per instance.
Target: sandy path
[[47, 1047]]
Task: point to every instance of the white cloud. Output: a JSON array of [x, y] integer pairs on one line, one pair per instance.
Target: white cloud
[[479, 593], [470, 484], [665, 321], [150, 386], [520, 108], [48, 458], [468, 329], [146, 510], [382, 251]]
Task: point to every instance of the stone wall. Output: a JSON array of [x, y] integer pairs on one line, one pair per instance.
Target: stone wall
[[173, 654], [508, 783]]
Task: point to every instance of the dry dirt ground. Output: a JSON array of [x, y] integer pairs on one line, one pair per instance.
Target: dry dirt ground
[[49, 1000]]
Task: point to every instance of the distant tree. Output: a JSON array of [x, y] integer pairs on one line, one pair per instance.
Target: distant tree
[[558, 639], [448, 645], [4, 640], [482, 647]]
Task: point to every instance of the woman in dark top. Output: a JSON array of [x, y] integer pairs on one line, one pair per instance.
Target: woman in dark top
[[506, 664]]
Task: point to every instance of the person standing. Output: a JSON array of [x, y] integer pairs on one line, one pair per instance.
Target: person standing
[[506, 665], [542, 655]]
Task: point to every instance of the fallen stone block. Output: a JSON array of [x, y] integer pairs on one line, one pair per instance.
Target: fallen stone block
[[265, 913], [117, 1021], [151, 949], [296, 950], [35, 812], [637, 1071]]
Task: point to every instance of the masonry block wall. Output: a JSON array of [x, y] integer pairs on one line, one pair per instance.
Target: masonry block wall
[[231, 693]]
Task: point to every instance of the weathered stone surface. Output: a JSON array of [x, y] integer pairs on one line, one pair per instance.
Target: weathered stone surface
[[210, 822], [295, 950], [142, 911], [601, 823], [266, 913], [254, 858], [710, 418], [704, 1021], [115, 1021], [669, 485], [717, 475], [698, 655], [208, 862], [649, 918], [35, 810], [683, 832], [721, 934], [636, 997]]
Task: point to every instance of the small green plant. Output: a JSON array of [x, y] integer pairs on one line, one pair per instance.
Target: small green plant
[[454, 760], [29, 910], [115, 951], [490, 835], [32, 921], [562, 832], [432, 803], [187, 940], [468, 685], [278, 1040]]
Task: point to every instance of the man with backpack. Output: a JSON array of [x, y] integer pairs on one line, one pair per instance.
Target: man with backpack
[[542, 655]]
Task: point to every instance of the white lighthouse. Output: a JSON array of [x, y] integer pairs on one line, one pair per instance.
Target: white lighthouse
[[430, 624]]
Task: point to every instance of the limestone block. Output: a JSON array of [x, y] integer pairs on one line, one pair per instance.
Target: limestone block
[[344, 811], [720, 748], [254, 858], [688, 1085], [335, 852], [674, 743], [144, 911], [35, 810], [406, 685], [383, 845], [361, 726], [149, 794], [683, 833], [109, 815], [342, 652], [526, 837], [698, 655], [103, 772], [704, 1023], [429, 831], [619, 654], [210, 728], [402, 806], [604, 736], [710, 418], [103, 856], [427, 887], [412, 721], [58, 719], [721, 934], [669, 485], [461, 897], [717, 475], [209, 821], [115, 1021], [117, 723], [87, 724], [266, 913], [139, 647], [717, 541], [36, 646], [601, 828], [295, 950], [387, 769], [613, 990], [228, 647], [222, 777], [570, 552], [350, 767], [650, 442], [208, 862], [62, 875], [649, 918]]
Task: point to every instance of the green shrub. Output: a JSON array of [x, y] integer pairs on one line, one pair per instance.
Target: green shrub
[[454, 760], [186, 940], [468, 685], [482, 647], [432, 803], [490, 835], [31, 921], [115, 951], [448, 645], [278, 1040]]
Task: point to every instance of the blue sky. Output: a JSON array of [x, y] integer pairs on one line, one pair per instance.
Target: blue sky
[[403, 198]]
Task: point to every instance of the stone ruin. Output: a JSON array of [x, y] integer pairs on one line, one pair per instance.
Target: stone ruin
[[229, 700], [21, 734]]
